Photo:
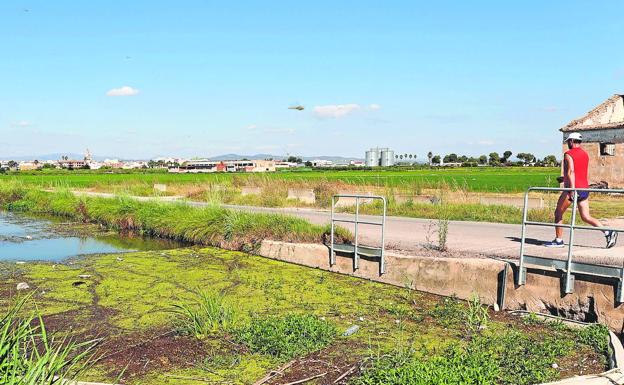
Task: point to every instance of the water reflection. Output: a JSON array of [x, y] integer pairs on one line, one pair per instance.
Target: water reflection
[[25, 238]]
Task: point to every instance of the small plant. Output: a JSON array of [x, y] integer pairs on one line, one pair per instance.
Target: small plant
[[442, 233], [531, 319], [208, 314], [476, 314], [437, 234], [286, 337]]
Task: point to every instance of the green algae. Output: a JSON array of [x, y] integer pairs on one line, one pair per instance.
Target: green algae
[[131, 294], [137, 291]]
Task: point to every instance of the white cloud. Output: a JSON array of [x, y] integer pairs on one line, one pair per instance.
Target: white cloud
[[252, 127], [374, 107], [22, 124], [122, 91], [336, 110]]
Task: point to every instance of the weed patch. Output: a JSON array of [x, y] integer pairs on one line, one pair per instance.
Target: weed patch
[[506, 359], [287, 337]]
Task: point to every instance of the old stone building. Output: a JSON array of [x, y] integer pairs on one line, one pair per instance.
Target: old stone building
[[603, 139]]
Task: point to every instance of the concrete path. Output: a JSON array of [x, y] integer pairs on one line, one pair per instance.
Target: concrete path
[[464, 239]]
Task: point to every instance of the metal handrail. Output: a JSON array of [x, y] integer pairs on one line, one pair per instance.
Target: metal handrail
[[569, 277], [356, 222]]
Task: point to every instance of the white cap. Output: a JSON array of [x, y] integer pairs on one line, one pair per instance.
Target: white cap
[[574, 136]]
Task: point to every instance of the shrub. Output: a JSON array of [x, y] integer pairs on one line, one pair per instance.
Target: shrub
[[323, 194], [287, 337]]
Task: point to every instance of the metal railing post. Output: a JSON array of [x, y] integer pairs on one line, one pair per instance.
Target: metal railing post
[[356, 257], [382, 263], [374, 252], [332, 255], [521, 268], [569, 279], [568, 265], [619, 290]]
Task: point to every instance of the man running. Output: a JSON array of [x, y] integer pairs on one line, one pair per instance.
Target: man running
[[575, 165]]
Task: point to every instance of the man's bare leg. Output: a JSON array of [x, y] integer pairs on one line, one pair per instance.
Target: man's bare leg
[[583, 208], [562, 207], [587, 218]]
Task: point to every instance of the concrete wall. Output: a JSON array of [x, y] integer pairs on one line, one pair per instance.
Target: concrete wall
[[593, 300]]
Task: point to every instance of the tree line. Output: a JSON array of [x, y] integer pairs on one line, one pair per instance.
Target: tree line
[[494, 159]]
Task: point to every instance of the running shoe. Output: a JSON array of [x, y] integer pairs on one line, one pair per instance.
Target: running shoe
[[611, 238], [555, 243]]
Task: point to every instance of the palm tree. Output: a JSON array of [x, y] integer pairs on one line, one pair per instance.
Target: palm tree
[[430, 156]]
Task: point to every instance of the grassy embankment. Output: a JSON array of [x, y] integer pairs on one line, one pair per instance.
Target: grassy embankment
[[212, 226]]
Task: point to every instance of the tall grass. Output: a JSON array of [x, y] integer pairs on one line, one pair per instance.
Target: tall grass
[[211, 225], [208, 314], [30, 356]]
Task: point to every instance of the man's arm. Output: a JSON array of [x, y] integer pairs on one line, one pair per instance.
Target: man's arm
[[570, 172]]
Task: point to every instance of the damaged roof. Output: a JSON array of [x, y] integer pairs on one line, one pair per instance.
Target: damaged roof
[[609, 114]]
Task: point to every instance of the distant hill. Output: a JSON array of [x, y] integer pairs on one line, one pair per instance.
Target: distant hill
[[334, 158], [57, 156]]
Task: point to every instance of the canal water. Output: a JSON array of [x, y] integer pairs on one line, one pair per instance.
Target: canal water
[[26, 238]]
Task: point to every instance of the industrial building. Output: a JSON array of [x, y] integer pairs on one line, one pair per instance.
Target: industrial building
[[203, 166], [379, 157]]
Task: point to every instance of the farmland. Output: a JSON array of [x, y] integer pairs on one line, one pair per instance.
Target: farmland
[[478, 179]]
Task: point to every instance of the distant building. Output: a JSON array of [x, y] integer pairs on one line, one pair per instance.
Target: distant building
[[205, 166], [28, 166], [379, 157], [72, 163], [64, 162], [603, 139], [284, 164], [322, 163]]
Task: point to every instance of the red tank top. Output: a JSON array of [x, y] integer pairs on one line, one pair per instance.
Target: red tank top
[[581, 163]]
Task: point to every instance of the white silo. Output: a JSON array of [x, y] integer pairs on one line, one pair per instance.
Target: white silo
[[372, 157], [387, 157]]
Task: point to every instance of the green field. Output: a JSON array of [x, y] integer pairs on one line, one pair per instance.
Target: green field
[[486, 179]]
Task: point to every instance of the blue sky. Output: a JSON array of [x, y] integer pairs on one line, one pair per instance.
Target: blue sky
[[202, 78]]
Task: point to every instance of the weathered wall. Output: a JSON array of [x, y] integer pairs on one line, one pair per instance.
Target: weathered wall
[[591, 301], [607, 168]]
